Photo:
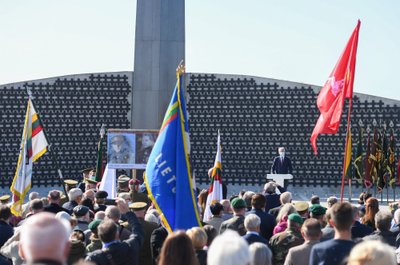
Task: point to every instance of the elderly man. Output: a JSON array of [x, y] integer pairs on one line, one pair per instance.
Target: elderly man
[[44, 240], [236, 223], [75, 197], [383, 220], [229, 249], [252, 224], [114, 251], [114, 213], [54, 198], [285, 197]]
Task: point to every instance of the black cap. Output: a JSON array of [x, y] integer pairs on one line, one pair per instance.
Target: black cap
[[101, 194], [80, 210]]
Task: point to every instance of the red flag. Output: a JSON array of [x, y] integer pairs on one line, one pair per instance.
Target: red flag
[[338, 87]]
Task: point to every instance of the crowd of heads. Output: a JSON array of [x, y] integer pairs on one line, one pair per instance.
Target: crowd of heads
[[252, 227]]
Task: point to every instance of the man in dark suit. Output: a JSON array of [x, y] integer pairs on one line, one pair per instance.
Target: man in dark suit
[[282, 164], [267, 220], [252, 224], [54, 198]]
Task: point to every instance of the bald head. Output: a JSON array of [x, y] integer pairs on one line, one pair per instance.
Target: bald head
[[113, 213], [44, 237]]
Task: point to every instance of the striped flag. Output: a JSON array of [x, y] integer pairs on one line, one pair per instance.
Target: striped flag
[[215, 190], [391, 164], [348, 165], [359, 159], [33, 146], [168, 179]]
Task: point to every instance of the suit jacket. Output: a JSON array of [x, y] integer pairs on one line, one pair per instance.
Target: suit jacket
[[253, 238], [279, 167], [216, 222], [157, 240], [236, 223], [300, 255], [267, 222], [359, 230], [122, 253], [55, 208]]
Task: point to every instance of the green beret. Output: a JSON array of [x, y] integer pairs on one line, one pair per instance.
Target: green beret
[[317, 209], [295, 217], [238, 203], [94, 224]]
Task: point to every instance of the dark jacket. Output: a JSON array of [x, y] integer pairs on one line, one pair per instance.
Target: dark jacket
[[253, 238], [236, 223], [6, 232], [55, 208], [359, 230], [279, 167], [121, 253], [156, 241], [267, 223]]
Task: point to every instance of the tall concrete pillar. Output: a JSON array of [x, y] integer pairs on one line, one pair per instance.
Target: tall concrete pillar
[[159, 47]]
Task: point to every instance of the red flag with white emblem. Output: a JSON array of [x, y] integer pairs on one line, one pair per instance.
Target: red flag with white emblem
[[338, 87]]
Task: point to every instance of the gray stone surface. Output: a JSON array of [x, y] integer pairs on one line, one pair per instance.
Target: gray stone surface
[[159, 47]]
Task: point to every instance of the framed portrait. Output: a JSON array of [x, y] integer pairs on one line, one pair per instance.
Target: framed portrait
[[129, 148]]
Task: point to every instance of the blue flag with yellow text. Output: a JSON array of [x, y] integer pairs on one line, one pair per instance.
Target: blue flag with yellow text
[[168, 179]]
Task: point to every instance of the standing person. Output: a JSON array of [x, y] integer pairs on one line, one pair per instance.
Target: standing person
[[114, 251], [236, 223], [267, 220], [6, 230], [252, 224], [311, 232], [44, 240], [282, 164], [281, 243], [371, 209], [335, 251], [139, 208]]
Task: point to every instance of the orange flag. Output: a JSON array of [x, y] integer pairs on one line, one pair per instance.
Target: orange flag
[[338, 87]]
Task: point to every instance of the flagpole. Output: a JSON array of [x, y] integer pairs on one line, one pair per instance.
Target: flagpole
[[345, 150], [52, 155]]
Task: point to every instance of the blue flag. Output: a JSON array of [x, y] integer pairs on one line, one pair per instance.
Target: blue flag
[[168, 178]]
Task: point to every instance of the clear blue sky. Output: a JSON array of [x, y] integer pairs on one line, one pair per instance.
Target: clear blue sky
[[291, 40]]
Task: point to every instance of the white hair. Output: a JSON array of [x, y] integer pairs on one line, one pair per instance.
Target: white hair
[[33, 195], [44, 237], [286, 197], [74, 193], [252, 222], [372, 252], [260, 253], [229, 249]]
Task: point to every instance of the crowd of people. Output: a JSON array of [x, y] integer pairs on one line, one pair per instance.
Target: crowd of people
[[250, 228]]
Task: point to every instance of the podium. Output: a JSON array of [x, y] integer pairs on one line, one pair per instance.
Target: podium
[[279, 178]]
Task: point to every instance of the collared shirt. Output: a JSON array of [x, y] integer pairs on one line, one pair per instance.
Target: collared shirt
[[106, 245]]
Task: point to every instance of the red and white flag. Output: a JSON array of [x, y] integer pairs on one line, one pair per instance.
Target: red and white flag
[[215, 189], [338, 87]]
